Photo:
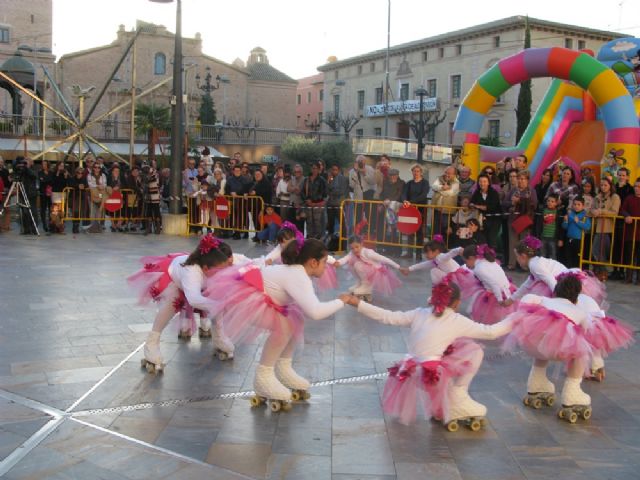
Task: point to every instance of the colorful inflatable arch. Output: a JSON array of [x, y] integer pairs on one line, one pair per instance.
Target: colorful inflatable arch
[[616, 106]]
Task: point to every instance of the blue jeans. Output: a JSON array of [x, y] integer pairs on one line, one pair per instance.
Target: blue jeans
[[268, 233]]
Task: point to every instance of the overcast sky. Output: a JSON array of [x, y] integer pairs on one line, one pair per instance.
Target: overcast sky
[[299, 35]]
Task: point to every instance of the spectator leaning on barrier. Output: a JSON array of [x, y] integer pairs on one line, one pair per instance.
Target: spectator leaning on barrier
[[314, 195], [238, 189], [98, 188], [296, 213], [115, 182], [630, 210], [416, 191], [391, 196], [261, 187], [77, 196], [487, 202], [605, 205], [445, 198], [282, 195], [337, 191], [362, 180]]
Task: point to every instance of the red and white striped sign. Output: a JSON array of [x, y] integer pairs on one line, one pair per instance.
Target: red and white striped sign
[[409, 220]]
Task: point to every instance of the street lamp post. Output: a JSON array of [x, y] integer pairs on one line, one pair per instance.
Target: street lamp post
[[420, 92], [177, 124]]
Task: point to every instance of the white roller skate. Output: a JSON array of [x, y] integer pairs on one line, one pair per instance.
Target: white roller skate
[[224, 347], [363, 291], [185, 328], [597, 368], [464, 409], [540, 390], [575, 402], [204, 330], [268, 389], [152, 360], [289, 377]]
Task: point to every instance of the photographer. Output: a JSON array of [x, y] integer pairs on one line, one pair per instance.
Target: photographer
[[23, 172]]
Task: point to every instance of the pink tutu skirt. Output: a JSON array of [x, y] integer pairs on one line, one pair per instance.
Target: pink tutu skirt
[[248, 310], [328, 280], [463, 277], [591, 286], [485, 307], [607, 335], [381, 278], [151, 281], [412, 383], [547, 335], [540, 288]]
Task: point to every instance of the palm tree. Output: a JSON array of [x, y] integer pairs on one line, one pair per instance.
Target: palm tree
[[149, 119]]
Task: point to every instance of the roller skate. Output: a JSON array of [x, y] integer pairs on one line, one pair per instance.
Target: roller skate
[[204, 330], [363, 291], [540, 390], [597, 373], [575, 403], [270, 391], [152, 360], [287, 375], [464, 409], [223, 346], [185, 328]]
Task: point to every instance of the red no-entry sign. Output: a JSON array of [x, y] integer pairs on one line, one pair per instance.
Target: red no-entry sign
[[409, 220], [114, 202], [222, 208]]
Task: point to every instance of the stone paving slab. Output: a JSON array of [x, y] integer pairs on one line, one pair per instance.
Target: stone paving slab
[[65, 326]]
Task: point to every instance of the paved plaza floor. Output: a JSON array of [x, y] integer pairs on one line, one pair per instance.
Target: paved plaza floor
[[75, 404]]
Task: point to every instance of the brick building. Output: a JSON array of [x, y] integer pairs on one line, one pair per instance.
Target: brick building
[[309, 102]]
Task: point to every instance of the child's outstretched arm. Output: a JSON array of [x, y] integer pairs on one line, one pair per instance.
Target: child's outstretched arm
[[339, 262], [376, 257], [381, 315], [425, 265]]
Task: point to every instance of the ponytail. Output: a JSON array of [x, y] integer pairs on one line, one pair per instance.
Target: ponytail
[[208, 253], [443, 295], [484, 251], [529, 246], [436, 243], [311, 249]]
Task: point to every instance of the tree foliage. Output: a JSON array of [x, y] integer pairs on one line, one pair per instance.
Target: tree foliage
[[523, 110], [306, 151], [207, 110], [150, 118]]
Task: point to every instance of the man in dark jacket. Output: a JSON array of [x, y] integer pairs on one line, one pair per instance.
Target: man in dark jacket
[[391, 196], [338, 190], [77, 197], [416, 191], [238, 188], [314, 196], [23, 172]]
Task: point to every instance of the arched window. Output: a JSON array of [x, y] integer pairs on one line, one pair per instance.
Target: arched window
[[160, 64]]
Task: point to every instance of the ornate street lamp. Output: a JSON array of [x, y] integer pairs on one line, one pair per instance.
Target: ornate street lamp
[[421, 92], [177, 122]]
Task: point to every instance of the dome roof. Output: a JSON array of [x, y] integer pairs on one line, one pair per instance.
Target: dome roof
[[17, 65]]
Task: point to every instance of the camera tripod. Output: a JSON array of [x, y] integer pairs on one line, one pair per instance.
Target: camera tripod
[[17, 190]]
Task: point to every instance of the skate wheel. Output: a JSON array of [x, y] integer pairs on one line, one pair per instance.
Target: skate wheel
[[255, 401], [526, 400], [483, 422], [475, 425], [586, 413], [573, 417], [561, 413], [536, 403], [204, 333], [275, 405], [306, 395], [551, 399], [452, 426], [296, 395], [286, 406], [222, 356]]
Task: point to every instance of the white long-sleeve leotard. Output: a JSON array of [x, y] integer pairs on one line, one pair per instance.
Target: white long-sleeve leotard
[[371, 257], [540, 268], [287, 284], [190, 279], [431, 335], [492, 278], [440, 266], [562, 305]]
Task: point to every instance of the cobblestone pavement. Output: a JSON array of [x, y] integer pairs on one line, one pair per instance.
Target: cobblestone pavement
[[74, 402]]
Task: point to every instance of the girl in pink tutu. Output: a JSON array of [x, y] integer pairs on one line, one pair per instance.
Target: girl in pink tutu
[[176, 280], [370, 269], [289, 232], [441, 362], [555, 329], [275, 300], [441, 264], [489, 295], [544, 273]]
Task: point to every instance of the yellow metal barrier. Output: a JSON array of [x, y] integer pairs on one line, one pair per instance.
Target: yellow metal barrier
[[613, 241], [374, 221], [201, 213], [85, 205]]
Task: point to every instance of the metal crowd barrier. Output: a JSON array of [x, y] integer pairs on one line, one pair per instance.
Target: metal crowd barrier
[[81, 205], [242, 214], [619, 248], [376, 222]]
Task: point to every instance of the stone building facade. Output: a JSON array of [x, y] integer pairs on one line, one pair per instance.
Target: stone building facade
[[446, 66], [255, 93], [309, 102]]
